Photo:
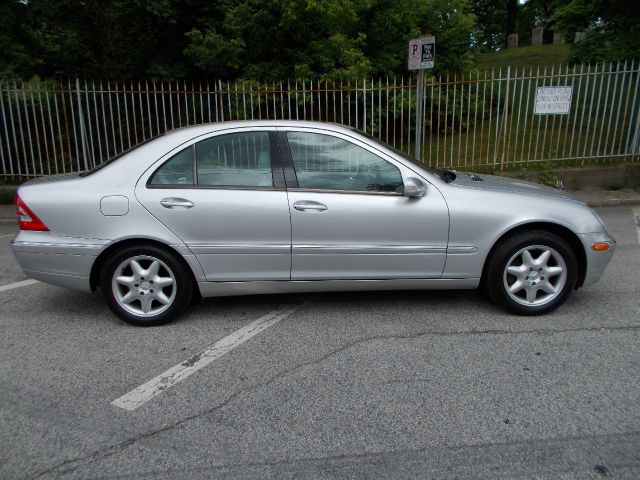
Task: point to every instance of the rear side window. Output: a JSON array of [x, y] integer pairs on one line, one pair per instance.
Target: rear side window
[[237, 160], [232, 160], [178, 170]]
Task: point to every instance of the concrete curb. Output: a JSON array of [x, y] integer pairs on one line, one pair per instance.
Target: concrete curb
[[626, 202], [608, 198]]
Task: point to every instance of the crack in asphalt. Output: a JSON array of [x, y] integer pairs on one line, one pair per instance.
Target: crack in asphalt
[[106, 452], [303, 463]]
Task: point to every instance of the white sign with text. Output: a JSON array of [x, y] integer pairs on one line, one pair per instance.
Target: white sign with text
[[553, 100]]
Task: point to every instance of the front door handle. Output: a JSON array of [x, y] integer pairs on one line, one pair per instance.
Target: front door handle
[[174, 202], [309, 206]]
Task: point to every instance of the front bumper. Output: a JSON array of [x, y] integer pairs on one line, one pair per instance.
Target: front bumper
[[597, 261], [62, 261]]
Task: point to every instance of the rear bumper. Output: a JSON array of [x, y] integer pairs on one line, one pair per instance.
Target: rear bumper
[[597, 261], [62, 261]]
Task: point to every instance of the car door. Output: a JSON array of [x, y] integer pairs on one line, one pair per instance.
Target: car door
[[224, 196], [349, 217]]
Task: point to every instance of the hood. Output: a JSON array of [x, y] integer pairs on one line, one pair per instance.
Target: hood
[[506, 184]]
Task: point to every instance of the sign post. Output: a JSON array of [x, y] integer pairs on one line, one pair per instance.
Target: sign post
[[421, 56]]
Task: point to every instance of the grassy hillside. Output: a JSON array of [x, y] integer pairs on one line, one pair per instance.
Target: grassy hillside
[[542, 55]]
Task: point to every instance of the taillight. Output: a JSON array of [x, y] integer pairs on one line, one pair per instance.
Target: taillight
[[26, 218]]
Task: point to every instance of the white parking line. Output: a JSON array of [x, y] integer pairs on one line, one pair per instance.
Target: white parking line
[[636, 217], [23, 283], [159, 384]]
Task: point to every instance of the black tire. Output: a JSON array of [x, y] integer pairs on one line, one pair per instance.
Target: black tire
[[148, 277], [519, 279]]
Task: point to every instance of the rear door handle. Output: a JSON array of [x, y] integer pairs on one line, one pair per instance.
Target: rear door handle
[[174, 202], [309, 206]]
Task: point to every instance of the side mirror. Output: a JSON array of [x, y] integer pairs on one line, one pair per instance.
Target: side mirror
[[414, 187]]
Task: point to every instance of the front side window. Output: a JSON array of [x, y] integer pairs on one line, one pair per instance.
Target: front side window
[[330, 163], [231, 160]]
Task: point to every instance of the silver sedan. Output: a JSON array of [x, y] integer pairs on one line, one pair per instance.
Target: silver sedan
[[278, 206]]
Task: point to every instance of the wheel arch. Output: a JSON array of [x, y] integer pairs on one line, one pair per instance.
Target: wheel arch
[[563, 232], [94, 277]]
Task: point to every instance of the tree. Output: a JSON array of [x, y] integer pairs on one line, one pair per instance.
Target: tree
[[536, 13], [14, 52], [612, 29], [253, 39], [273, 39], [105, 39], [512, 16], [496, 19], [267, 40], [490, 24]]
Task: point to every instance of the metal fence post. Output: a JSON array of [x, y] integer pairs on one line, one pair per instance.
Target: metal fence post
[[505, 116], [82, 132], [83, 139], [419, 96], [633, 148]]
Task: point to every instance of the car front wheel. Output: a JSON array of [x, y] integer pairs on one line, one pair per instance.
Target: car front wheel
[[145, 285], [532, 273]]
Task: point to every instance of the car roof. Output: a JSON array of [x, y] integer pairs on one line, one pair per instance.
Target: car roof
[[154, 148], [195, 130]]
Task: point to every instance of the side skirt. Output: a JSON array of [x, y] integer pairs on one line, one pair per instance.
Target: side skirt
[[223, 289]]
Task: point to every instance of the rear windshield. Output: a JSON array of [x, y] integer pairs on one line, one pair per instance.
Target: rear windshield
[[100, 166]]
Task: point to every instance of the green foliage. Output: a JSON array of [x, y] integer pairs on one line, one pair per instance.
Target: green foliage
[[211, 53], [14, 55], [274, 39], [227, 39], [600, 46], [612, 28], [97, 38], [549, 179], [452, 27], [490, 29], [525, 57], [576, 15]]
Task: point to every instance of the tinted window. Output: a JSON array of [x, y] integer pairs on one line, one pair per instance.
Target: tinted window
[[236, 159], [178, 170], [326, 162]]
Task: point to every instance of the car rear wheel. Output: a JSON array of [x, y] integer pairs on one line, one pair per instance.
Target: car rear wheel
[[146, 285], [532, 273]]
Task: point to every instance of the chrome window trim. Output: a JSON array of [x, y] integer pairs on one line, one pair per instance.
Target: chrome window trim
[[289, 163], [274, 148], [240, 249], [462, 250], [213, 187], [348, 192], [351, 134], [303, 249]]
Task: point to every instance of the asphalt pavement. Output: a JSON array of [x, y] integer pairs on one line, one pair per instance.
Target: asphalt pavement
[[349, 385]]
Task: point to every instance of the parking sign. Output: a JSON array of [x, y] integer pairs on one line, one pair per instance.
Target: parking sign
[[422, 53]]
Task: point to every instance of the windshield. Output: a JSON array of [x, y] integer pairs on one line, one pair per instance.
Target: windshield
[[445, 175]]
